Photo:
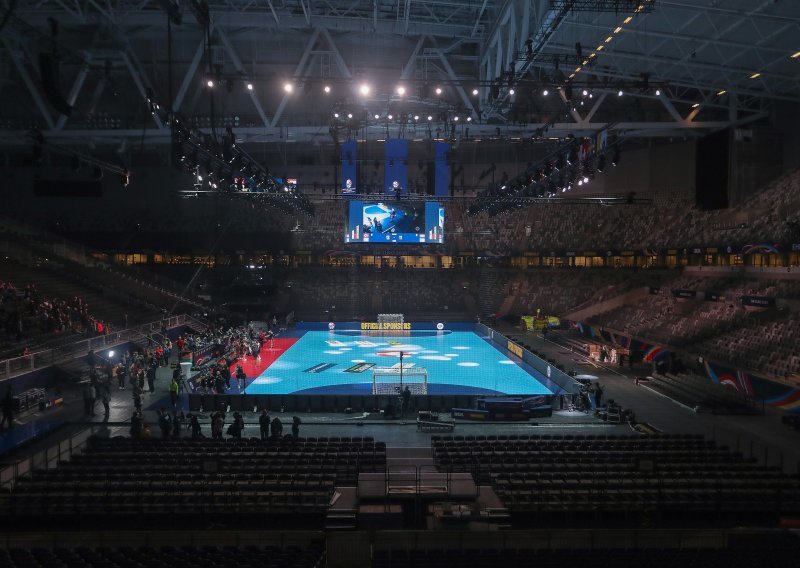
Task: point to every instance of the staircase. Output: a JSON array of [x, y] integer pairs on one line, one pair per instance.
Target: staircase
[[488, 292], [629, 297]]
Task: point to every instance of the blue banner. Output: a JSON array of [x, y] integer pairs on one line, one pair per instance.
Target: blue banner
[[396, 169], [349, 186], [442, 179]]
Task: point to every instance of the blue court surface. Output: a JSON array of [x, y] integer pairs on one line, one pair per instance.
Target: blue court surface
[[340, 362]]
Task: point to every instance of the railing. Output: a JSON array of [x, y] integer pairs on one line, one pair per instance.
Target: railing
[[557, 376], [48, 457], [49, 357]]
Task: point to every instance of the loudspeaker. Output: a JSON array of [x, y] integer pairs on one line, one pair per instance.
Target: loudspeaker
[[48, 70]]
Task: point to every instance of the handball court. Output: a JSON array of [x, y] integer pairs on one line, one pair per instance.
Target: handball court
[[342, 363]]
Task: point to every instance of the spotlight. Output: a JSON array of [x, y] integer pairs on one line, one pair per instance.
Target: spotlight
[[210, 83], [585, 179], [349, 115], [288, 87], [249, 86], [658, 92], [110, 353], [619, 93], [430, 117], [327, 89], [545, 92], [469, 119], [455, 118], [390, 117], [585, 92], [364, 90], [580, 182], [416, 117], [336, 115], [438, 90], [511, 91], [401, 91], [475, 92], [377, 116], [199, 177]]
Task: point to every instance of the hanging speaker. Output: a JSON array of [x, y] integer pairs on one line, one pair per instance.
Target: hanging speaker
[[48, 70]]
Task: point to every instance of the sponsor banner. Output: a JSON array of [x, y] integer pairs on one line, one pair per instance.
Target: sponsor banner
[[359, 368], [758, 301], [680, 293], [515, 349], [393, 326], [320, 367]]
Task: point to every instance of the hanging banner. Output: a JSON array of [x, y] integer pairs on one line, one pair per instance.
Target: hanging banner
[[395, 167], [349, 170], [442, 178]]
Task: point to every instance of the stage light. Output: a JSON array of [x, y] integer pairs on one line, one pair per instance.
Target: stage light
[[796, 55], [199, 177], [619, 93], [455, 118], [249, 86], [658, 92], [722, 92], [110, 353], [585, 92], [511, 91], [469, 119], [545, 92], [377, 116], [438, 90], [210, 83], [390, 117], [475, 92], [364, 90], [585, 179], [580, 182], [349, 115], [695, 105], [401, 91], [327, 89], [755, 75], [288, 87], [336, 115], [430, 117], [416, 117]]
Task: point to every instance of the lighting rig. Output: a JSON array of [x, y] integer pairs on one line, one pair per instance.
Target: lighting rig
[[220, 166], [573, 163]]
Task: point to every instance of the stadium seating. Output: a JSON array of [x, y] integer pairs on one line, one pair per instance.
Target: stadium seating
[[676, 477], [130, 478]]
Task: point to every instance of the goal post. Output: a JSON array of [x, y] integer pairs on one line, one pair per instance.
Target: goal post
[[388, 380]]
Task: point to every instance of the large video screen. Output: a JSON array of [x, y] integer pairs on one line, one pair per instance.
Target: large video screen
[[389, 221]]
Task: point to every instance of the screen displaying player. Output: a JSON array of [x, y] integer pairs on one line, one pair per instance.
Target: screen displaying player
[[395, 222]]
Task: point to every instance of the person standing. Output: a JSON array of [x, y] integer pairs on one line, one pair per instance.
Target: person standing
[[105, 396], [598, 395], [276, 427], [406, 401], [8, 409], [295, 426], [263, 422], [241, 377], [151, 377], [173, 393]]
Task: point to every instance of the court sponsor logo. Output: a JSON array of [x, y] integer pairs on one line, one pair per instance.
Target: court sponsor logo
[[378, 326], [359, 368], [335, 343], [320, 368], [515, 349]]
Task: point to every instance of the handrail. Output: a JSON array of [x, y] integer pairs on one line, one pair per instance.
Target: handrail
[[48, 357]]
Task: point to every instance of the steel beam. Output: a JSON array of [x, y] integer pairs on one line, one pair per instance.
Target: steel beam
[[299, 71], [237, 63], [74, 92], [32, 88]]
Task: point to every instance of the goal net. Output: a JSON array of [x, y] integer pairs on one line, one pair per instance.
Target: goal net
[[388, 380], [390, 318]]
